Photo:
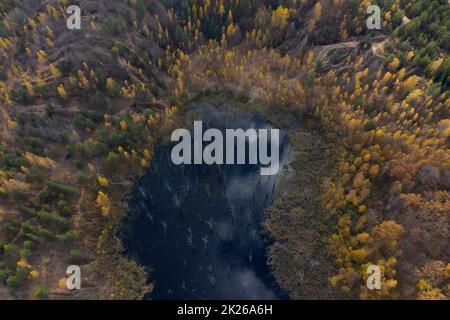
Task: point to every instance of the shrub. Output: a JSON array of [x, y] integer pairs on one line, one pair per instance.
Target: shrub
[[112, 161], [4, 274], [370, 125], [25, 253], [21, 273], [76, 255], [60, 188], [53, 217], [13, 282], [27, 244], [64, 207], [81, 177], [41, 292]]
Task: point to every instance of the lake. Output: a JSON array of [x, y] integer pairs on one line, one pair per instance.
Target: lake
[[198, 227]]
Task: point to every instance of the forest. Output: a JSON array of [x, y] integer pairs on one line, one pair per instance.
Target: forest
[[81, 112]]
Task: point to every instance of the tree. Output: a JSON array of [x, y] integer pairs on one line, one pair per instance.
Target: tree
[[13, 282], [41, 292], [103, 202], [280, 17], [102, 181], [62, 91], [358, 255], [112, 161]]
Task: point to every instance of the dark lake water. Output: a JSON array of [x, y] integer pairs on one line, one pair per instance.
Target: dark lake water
[[197, 227]]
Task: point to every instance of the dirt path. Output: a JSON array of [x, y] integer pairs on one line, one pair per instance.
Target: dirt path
[[78, 213], [325, 50], [377, 48]]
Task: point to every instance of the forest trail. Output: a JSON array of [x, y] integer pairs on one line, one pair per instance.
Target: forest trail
[[78, 214], [377, 48], [325, 50]]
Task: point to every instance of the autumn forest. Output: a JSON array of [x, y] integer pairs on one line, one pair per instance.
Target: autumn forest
[[82, 113]]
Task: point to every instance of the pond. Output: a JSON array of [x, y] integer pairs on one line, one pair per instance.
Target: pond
[[198, 227]]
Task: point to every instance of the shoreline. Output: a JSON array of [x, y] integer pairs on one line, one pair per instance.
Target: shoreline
[[285, 184]]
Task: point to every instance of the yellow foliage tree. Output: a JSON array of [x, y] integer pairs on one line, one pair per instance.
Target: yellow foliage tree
[[102, 181], [103, 202], [280, 17], [62, 91]]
